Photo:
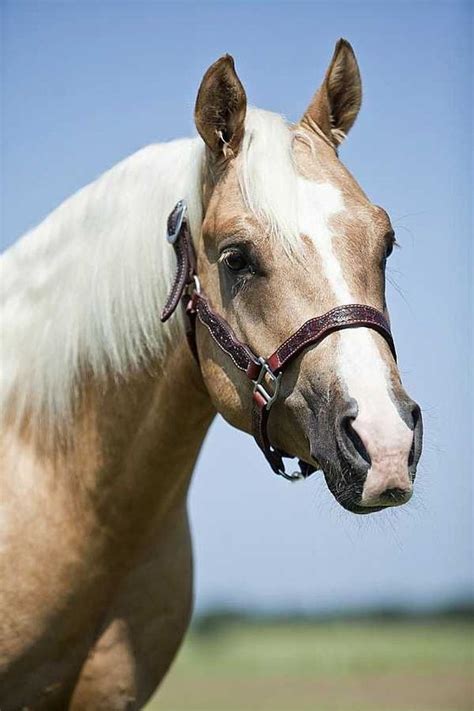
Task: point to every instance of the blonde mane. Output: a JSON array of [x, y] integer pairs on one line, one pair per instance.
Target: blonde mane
[[82, 292]]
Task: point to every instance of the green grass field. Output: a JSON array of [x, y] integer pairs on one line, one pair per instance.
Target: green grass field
[[340, 666]]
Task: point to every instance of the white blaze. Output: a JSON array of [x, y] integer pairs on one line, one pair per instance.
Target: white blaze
[[361, 369]]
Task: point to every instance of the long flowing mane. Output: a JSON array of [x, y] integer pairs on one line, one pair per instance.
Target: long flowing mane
[[82, 292]]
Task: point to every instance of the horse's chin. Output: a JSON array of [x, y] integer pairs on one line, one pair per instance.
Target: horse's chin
[[348, 496], [362, 510]]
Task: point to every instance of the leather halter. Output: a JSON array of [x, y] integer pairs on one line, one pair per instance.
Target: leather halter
[[264, 373]]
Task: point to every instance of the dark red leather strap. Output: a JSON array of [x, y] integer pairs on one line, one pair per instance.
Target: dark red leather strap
[[265, 374], [179, 236], [241, 355], [316, 329]]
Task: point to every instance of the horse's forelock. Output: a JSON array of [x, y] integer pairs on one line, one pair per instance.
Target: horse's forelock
[[268, 177]]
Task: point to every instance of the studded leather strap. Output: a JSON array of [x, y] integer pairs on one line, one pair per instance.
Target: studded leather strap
[[179, 236], [265, 373], [314, 330]]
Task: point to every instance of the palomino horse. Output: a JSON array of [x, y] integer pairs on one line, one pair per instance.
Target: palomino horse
[[105, 406]]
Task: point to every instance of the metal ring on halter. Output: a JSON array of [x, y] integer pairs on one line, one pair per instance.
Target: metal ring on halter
[[294, 476], [197, 284]]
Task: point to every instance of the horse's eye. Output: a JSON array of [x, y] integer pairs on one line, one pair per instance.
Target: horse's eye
[[235, 261], [390, 242]]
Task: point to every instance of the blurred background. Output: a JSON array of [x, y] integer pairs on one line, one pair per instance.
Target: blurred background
[[299, 604]]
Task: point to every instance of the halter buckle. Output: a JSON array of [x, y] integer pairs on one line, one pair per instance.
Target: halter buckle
[[265, 378]]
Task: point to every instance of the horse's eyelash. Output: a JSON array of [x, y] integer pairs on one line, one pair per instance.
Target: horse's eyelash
[[239, 284], [231, 250]]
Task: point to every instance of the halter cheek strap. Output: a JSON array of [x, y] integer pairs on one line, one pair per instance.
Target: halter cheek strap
[[264, 373]]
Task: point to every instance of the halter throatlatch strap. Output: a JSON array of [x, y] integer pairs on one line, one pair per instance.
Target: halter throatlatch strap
[[264, 373]]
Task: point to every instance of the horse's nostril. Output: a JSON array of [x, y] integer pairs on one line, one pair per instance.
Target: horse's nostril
[[356, 440], [415, 415]]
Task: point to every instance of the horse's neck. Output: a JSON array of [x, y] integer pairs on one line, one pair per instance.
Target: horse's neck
[[147, 432], [83, 293], [129, 453], [80, 517]]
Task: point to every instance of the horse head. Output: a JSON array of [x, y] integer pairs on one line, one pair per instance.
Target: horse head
[[287, 236]]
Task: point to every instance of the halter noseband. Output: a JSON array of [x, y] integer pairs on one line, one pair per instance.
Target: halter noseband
[[264, 373]]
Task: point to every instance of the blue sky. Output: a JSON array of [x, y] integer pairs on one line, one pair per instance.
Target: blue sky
[[87, 83]]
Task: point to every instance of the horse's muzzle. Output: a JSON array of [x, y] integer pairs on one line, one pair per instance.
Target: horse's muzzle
[[368, 469]]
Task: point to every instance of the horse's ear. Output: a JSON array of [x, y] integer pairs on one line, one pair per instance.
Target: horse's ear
[[220, 110], [335, 105]]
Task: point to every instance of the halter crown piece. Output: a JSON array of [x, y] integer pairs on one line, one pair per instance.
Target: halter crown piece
[[264, 373]]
